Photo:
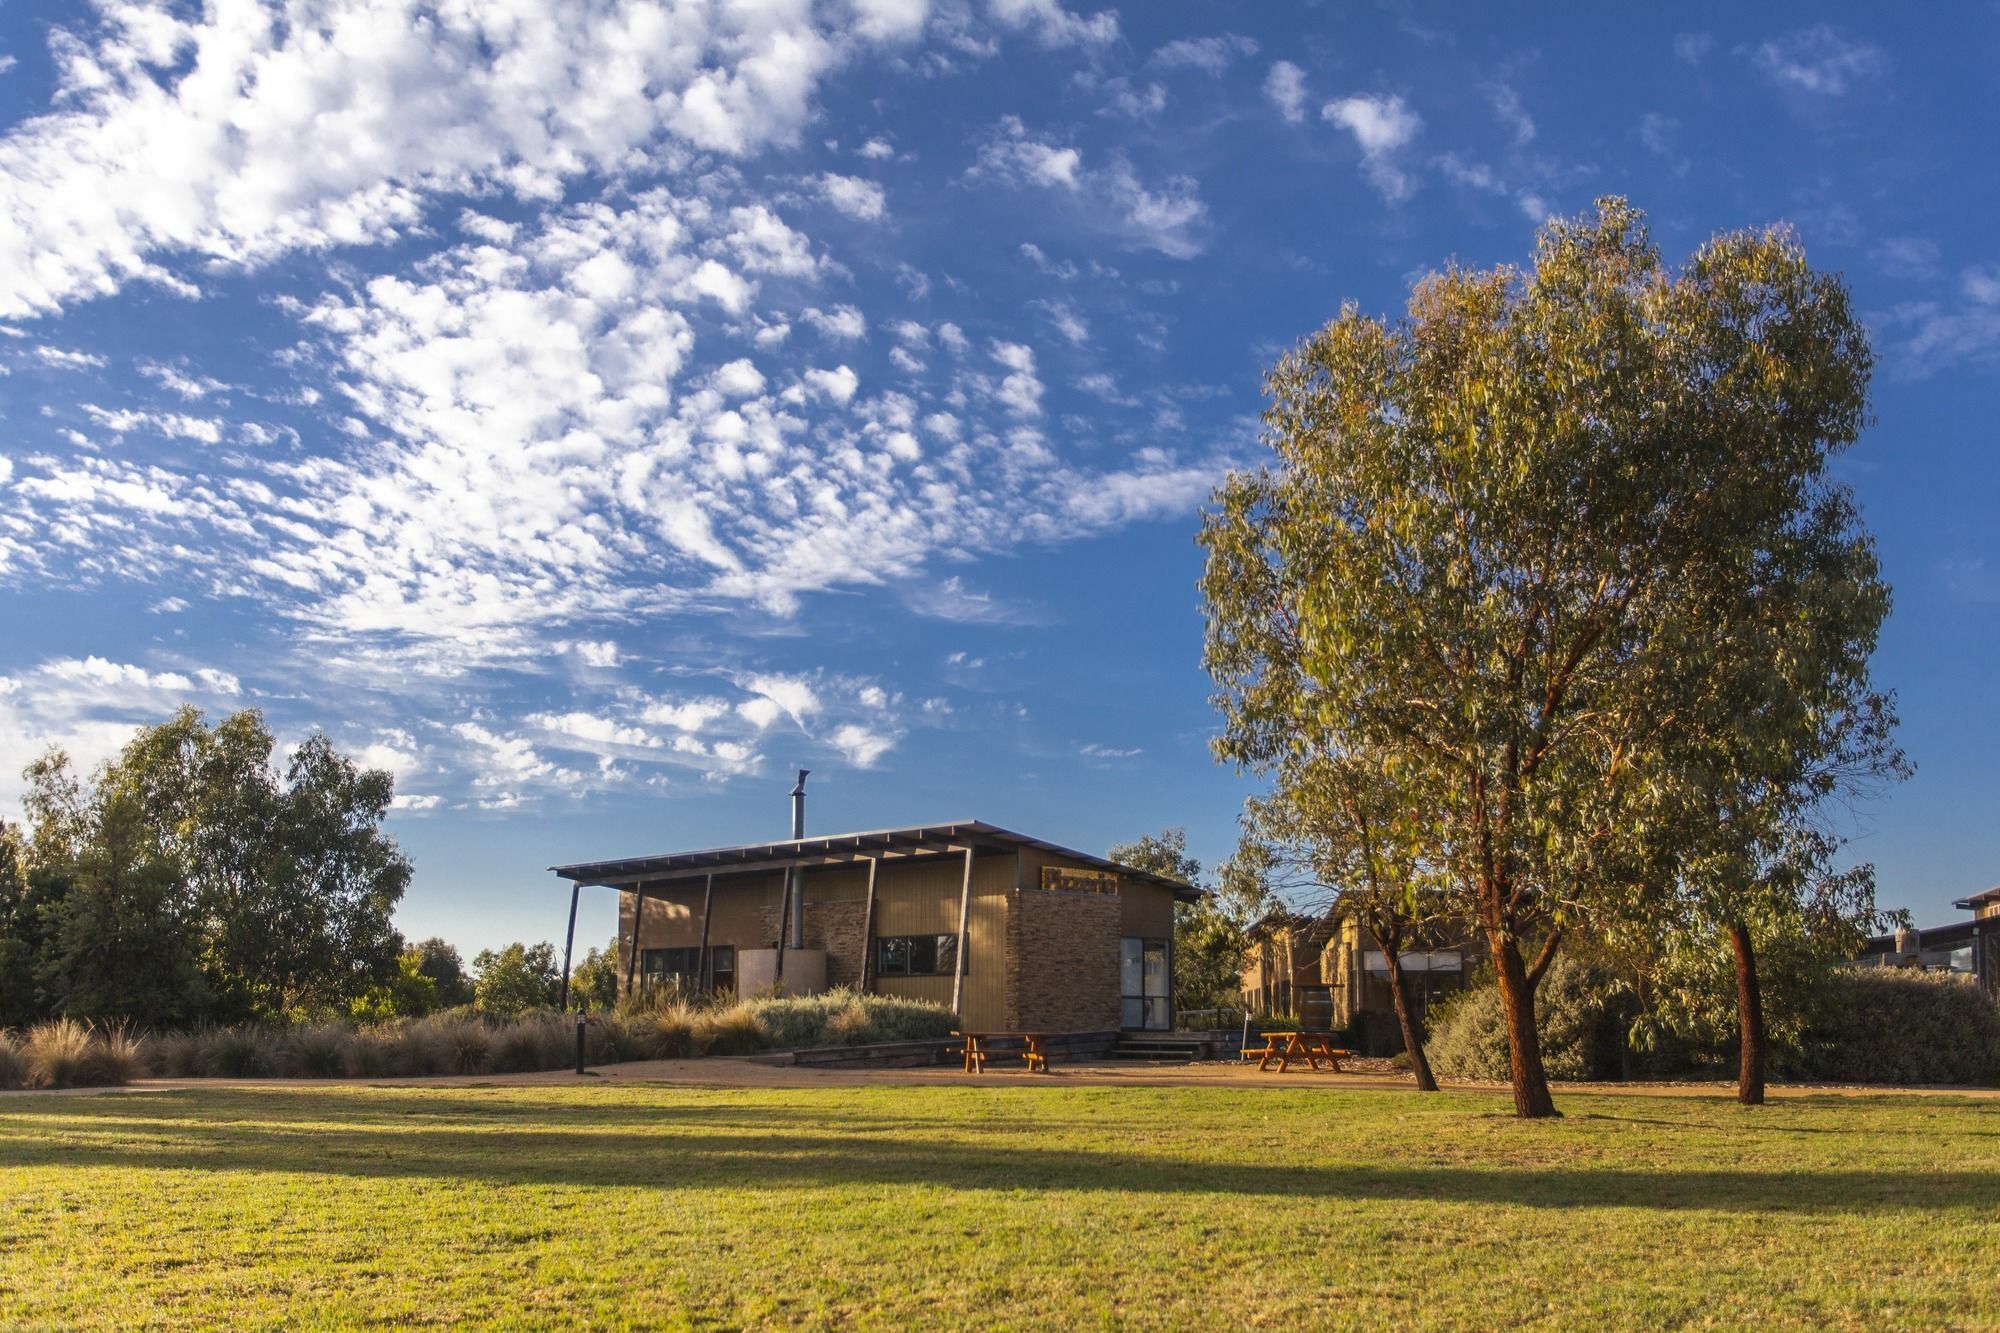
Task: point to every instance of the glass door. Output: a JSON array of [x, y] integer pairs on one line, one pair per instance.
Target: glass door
[[1144, 984]]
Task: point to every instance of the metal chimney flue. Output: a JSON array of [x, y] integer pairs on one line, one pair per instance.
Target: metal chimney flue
[[797, 925]]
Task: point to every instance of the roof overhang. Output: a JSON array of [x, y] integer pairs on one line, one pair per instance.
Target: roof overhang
[[843, 849], [922, 840], [1978, 899]]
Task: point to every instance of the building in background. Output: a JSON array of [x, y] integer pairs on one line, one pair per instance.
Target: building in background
[[1015, 934], [1328, 973]]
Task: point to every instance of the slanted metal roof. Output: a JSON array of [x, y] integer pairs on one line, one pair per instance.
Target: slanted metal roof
[[842, 848], [1978, 899]]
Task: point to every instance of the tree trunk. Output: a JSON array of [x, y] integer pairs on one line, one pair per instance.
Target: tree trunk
[[1524, 1043], [1413, 1036], [1750, 1015]]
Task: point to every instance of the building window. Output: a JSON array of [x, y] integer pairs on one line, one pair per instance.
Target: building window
[[1143, 985], [916, 955], [681, 968]]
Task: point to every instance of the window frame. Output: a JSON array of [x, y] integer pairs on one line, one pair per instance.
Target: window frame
[[944, 956]]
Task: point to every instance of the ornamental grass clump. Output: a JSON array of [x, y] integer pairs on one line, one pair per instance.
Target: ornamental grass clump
[[64, 1053], [737, 1030], [13, 1063], [249, 1051], [319, 1050], [113, 1058], [667, 1033]]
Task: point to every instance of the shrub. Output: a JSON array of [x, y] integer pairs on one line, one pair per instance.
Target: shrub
[[1575, 1013], [57, 1052], [13, 1062], [737, 1030], [846, 1017], [113, 1058], [1887, 1025], [240, 1052], [367, 1055], [895, 1018], [319, 1051], [414, 1049], [850, 1026], [668, 1033], [463, 1046], [177, 1054], [517, 1047]]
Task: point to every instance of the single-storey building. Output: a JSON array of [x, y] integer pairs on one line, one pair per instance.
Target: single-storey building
[[1013, 933]]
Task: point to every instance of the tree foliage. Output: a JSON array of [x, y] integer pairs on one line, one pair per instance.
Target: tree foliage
[[189, 880], [1506, 549], [518, 979]]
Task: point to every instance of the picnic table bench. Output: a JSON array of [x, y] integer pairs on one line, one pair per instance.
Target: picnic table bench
[[976, 1053], [1285, 1047]]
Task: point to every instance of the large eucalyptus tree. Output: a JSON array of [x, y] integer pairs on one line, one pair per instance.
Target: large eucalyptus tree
[[1493, 537]]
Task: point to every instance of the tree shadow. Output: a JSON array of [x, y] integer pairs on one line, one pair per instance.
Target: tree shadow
[[383, 1134]]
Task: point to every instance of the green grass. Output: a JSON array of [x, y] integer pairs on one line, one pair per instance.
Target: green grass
[[1044, 1205]]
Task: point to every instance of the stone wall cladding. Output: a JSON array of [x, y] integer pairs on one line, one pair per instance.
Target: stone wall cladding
[[1062, 962], [836, 927], [833, 926]]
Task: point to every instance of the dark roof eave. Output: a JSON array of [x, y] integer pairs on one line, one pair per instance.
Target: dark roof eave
[[920, 839]]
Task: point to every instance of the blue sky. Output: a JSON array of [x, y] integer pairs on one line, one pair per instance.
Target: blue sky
[[592, 412]]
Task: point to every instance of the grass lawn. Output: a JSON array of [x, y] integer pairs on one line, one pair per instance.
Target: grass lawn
[[1053, 1205]]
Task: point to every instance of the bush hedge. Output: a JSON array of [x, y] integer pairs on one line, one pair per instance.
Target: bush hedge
[[1889, 1025], [463, 1041], [1863, 1025], [1578, 1022]]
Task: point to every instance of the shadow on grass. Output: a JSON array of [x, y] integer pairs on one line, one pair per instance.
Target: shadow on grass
[[384, 1134]]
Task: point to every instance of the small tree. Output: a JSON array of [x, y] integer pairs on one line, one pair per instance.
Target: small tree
[[594, 982], [1492, 530], [441, 963], [517, 979]]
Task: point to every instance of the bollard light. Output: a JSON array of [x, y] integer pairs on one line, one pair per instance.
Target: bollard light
[[581, 1014]]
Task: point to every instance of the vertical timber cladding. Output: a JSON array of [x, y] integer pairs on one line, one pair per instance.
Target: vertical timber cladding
[[920, 897], [744, 913]]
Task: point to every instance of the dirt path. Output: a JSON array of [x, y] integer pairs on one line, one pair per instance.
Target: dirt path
[[751, 1073]]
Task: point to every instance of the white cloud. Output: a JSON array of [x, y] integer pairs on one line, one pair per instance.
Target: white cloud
[[1382, 127], [1285, 86], [89, 707], [1052, 25], [842, 323], [172, 424], [1935, 335], [1819, 61], [230, 137], [1020, 391], [1095, 751], [852, 195], [597, 653], [738, 379], [1210, 55], [1135, 103], [63, 358], [191, 387], [876, 150], [778, 696], [1168, 216], [836, 385], [1507, 106], [1693, 47], [861, 745]]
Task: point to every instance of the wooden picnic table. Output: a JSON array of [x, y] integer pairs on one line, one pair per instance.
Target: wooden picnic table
[[1285, 1047], [976, 1054]]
